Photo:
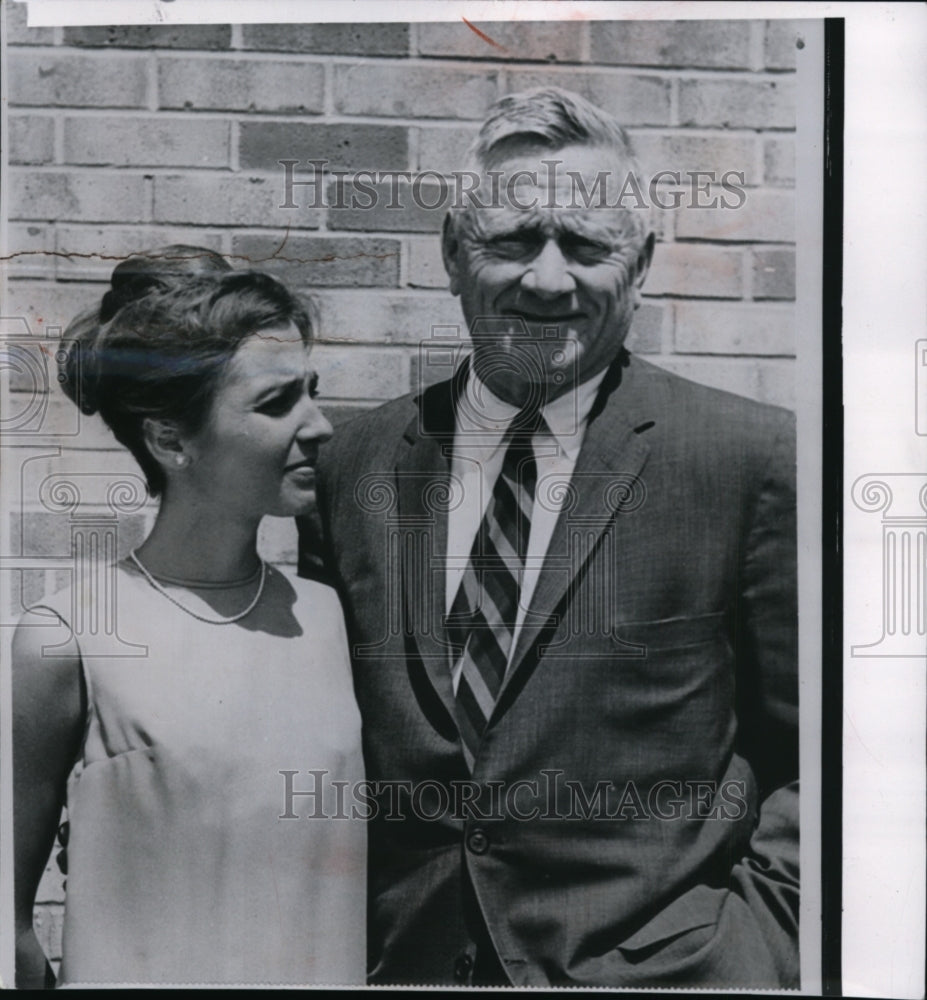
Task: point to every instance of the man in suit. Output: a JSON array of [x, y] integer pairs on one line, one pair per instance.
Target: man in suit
[[569, 584]]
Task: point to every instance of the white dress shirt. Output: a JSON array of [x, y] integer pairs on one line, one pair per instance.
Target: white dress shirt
[[481, 422]]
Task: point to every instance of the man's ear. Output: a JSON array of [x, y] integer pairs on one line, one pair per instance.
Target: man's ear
[[450, 251], [642, 266], [165, 442]]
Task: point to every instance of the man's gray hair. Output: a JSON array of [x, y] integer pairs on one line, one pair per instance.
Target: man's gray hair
[[553, 118], [549, 117]]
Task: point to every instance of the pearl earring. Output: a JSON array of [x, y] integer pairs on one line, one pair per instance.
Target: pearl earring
[[181, 460]]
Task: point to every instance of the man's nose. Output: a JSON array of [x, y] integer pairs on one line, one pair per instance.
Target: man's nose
[[549, 273], [314, 426]]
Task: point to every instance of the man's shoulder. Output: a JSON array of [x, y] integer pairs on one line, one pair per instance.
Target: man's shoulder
[[393, 415], [372, 433], [700, 407]]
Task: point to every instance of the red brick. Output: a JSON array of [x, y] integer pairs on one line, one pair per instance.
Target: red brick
[[30, 364], [376, 318], [48, 307], [30, 249], [62, 79], [774, 274], [214, 198], [425, 266], [777, 383], [17, 33], [28, 587], [444, 149], [779, 160], [779, 46], [91, 252], [355, 316], [31, 138], [349, 371], [738, 103], [155, 141], [712, 44], [48, 922], [94, 474], [418, 90], [89, 197], [64, 423], [309, 261], [403, 207], [764, 216], [658, 219], [162, 36], [736, 375], [696, 271], [51, 889], [544, 41], [41, 532], [336, 39], [682, 152], [646, 336], [14, 327], [277, 540], [720, 328], [44, 533], [413, 320], [632, 99], [240, 85], [345, 147]]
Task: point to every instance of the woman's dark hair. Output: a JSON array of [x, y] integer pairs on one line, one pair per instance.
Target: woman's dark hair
[[160, 342], [157, 269]]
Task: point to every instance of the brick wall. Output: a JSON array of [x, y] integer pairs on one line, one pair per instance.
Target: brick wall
[[126, 138]]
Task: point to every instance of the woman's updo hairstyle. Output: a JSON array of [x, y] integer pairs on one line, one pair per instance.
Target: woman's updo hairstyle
[[133, 278], [162, 337], [157, 269]]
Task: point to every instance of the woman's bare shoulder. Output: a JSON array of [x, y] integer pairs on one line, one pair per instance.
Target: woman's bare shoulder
[[46, 672], [44, 639]]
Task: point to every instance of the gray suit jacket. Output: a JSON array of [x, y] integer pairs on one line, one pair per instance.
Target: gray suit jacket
[[643, 752]]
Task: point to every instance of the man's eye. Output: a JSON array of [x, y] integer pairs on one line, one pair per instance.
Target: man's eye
[[585, 251], [514, 245]]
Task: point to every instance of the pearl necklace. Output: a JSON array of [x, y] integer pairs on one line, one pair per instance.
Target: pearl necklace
[[203, 618]]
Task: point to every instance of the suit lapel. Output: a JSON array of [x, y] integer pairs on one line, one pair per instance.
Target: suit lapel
[[606, 479], [422, 474]]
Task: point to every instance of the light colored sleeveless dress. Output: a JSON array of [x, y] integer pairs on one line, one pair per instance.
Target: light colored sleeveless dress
[[192, 858]]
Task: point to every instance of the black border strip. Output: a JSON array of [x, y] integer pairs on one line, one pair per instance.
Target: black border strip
[[832, 511]]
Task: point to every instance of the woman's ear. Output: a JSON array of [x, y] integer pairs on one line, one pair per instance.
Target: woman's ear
[[165, 443], [450, 251]]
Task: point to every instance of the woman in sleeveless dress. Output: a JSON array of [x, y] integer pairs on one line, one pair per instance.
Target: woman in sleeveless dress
[[200, 755]]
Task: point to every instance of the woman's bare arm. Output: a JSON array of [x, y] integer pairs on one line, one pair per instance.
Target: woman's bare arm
[[49, 709]]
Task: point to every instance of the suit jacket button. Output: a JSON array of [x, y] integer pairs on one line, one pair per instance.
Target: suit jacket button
[[463, 966], [478, 842]]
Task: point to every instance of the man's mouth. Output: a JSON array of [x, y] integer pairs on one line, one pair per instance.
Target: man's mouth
[[548, 319]]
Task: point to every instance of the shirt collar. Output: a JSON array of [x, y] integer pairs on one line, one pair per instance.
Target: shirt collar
[[483, 418]]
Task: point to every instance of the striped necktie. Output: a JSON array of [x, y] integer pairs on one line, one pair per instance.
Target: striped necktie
[[483, 616]]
